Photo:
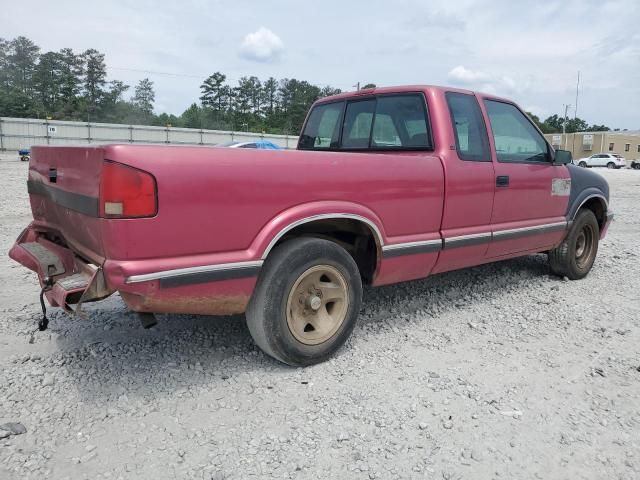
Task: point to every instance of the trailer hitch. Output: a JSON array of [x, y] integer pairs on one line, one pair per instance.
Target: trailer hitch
[[43, 323]]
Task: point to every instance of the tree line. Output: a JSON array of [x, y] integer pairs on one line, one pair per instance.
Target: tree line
[[553, 124], [69, 85]]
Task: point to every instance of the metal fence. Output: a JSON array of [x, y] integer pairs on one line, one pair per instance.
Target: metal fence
[[17, 133]]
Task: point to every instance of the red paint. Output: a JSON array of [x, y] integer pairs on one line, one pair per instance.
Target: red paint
[[217, 206]]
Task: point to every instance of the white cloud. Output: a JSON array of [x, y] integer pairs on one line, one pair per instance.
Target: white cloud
[[262, 46], [485, 82], [464, 76]]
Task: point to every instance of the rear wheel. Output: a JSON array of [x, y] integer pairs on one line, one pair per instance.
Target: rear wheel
[[306, 302], [576, 254], [611, 165], [583, 164]]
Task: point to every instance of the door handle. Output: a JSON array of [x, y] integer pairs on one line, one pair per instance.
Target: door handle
[[502, 181]]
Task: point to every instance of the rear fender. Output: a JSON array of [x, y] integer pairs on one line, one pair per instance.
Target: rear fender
[[285, 221]]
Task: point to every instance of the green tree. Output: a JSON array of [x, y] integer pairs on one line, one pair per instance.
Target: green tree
[[329, 91], [213, 91], [71, 73], [270, 95], [5, 80], [165, 119], [144, 96], [23, 55], [576, 125], [192, 117], [554, 123], [598, 128], [95, 74], [47, 82]]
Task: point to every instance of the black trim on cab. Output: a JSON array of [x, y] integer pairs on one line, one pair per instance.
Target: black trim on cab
[[409, 249], [73, 201], [212, 276]]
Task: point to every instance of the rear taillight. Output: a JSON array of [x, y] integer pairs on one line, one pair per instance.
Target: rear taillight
[[126, 192]]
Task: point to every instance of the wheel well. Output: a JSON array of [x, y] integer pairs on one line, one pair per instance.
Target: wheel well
[[353, 235], [599, 209]]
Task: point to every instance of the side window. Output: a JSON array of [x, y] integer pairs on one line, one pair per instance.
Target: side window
[[387, 122], [322, 128], [358, 119], [249, 145], [385, 133], [400, 121], [470, 132], [516, 139]]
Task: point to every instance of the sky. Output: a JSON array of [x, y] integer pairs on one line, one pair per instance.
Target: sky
[[529, 51]]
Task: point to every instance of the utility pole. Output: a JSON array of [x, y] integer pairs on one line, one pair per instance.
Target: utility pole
[[575, 113], [564, 124], [357, 85]]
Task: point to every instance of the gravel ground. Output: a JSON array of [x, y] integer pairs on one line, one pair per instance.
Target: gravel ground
[[500, 371]]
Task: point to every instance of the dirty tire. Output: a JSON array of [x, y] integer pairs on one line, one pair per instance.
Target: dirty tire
[[270, 310], [583, 164], [611, 165], [575, 255]]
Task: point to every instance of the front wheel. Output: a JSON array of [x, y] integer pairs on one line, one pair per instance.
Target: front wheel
[[583, 164], [306, 302], [636, 166], [611, 165], [574, 257]]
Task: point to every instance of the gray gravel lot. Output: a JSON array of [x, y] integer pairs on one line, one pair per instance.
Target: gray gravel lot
[[500, 371]]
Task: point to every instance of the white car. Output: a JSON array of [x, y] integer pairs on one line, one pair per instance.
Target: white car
[[609, 160]]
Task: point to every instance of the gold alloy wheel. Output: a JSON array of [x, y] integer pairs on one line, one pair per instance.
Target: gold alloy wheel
[[585, 246], [317, 304]]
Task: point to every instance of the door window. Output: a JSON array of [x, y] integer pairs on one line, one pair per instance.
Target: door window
[[515, 137], [358, 119], [322, 129], [469, 129]]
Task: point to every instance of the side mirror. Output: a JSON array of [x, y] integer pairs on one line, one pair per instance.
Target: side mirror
[[562, 157]]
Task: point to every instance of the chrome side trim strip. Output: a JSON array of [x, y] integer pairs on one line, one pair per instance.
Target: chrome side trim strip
[[323, 216], [222, 268], [524, 231], [227, 271], [410, 248], [467, 240]]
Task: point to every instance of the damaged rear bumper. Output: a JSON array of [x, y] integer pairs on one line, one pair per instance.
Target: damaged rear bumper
[[171, 285], [73, 280]]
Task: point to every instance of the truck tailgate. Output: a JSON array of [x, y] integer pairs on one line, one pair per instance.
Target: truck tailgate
[[64, 186]]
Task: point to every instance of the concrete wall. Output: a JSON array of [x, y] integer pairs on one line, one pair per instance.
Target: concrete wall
[[585, 144], [17, 133]]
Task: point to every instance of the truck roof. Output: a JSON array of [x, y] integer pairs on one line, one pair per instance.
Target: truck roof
[[402, 89]]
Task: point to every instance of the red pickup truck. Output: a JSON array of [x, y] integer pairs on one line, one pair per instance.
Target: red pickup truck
[[387, 185]]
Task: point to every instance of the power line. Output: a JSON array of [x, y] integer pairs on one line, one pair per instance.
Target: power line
[[186, 75], [152, 72]]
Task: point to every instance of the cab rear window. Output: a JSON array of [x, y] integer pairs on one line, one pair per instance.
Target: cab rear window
[[384, 122]]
